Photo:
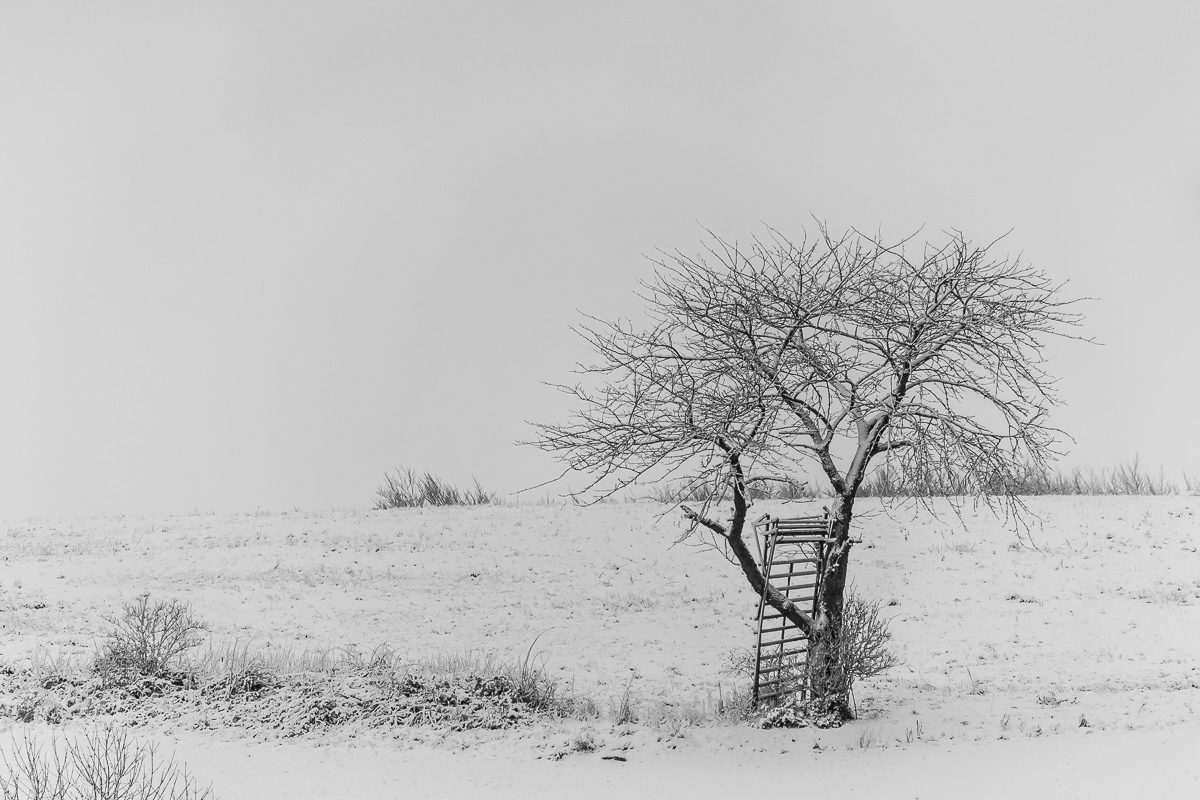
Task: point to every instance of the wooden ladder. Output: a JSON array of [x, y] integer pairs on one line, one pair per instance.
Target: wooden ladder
[[792, 553]]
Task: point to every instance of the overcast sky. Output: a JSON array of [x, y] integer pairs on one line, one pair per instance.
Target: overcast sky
[[252, 254]]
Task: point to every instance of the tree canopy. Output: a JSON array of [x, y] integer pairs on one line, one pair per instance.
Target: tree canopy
[[820, 357], [793, 354]]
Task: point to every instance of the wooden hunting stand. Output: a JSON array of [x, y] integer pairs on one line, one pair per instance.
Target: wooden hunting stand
[[792, 553]]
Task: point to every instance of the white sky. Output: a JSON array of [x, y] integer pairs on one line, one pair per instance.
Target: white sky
[[253, 255]]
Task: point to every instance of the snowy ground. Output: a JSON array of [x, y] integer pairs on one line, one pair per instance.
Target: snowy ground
[[1007, 647]]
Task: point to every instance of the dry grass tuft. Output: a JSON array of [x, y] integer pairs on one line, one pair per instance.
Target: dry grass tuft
[[409, 489]]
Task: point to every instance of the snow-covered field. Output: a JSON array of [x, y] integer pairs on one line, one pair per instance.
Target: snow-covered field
[[1063, 665]]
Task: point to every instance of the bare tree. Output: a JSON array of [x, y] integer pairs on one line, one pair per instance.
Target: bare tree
[[828, 354]]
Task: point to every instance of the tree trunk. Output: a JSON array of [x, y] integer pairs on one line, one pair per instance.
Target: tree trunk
[[826, 670]]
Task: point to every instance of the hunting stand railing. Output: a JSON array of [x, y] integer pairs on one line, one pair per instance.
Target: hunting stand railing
[[792, 553]]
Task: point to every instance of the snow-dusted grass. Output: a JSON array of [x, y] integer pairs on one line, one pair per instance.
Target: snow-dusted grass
[[1084, 625]]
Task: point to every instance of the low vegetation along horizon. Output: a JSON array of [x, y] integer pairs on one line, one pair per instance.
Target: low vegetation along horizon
[[408, 488], [584, 622]]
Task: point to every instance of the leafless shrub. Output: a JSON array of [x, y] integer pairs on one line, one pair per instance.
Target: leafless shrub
[[147, 639], [863, 646], [103, 765], [859, 651], [739, 663], [408, 489]]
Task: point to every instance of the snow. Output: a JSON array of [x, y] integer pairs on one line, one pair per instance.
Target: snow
[[1007, 643]]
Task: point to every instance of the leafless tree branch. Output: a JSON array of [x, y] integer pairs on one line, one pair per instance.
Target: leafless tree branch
[[827, 353]]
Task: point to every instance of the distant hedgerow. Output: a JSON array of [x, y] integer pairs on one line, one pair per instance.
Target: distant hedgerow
[[1123, 479], [407, 489], [684, 492]]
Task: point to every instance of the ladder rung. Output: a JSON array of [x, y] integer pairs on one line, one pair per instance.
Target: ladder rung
[[766, 680], [797, 586], [763, 670], [804, 574], [771, 618], [789, 627], [768, 670], [795, 561], [784, 641], [796, 677], [778, 656]]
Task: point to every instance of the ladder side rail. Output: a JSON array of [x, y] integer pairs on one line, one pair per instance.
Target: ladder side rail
[[762, 603]]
